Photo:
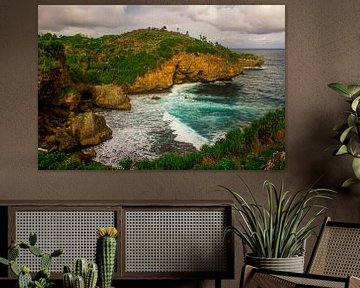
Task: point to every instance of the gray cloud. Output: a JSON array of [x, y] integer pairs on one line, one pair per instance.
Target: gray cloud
[[61, 17], [249, 19], [248, 26]]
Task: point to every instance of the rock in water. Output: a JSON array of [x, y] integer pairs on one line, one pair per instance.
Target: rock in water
[[110, 96], [90, 129]]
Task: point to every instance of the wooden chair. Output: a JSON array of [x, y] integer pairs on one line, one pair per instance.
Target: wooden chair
[[334, 263]]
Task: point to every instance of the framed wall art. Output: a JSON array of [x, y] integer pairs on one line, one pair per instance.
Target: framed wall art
[[165, 87]]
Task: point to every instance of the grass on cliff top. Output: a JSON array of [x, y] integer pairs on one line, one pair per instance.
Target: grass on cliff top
[[249, 148], [120, 59]]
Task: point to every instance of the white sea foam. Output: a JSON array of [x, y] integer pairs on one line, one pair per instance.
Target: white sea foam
[[180, 89], [255, 67], [183, 132]]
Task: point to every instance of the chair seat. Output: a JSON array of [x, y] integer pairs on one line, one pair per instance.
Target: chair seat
[[314, 282], [267, 279]]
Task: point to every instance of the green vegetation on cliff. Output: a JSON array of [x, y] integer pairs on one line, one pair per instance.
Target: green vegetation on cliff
[[50, 52], [120, 59], [249, 148], [58, 160]]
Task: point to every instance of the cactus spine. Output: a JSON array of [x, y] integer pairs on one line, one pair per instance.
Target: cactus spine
[[105, 254], [84, 276]]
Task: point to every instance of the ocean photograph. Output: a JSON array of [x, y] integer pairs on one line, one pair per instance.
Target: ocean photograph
[[199, 90]]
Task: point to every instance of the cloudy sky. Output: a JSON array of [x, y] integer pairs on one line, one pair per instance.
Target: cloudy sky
[[235, 26]]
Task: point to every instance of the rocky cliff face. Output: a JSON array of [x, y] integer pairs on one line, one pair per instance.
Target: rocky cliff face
[[251, 62], [186, 67], [62, 123], [110, 96]]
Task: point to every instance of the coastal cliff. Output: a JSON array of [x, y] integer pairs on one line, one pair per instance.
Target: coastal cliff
[[188, 67], [63, 122], [77, 75], [150, 60]]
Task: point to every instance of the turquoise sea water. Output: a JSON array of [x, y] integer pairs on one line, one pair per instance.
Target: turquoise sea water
[[190, 115]]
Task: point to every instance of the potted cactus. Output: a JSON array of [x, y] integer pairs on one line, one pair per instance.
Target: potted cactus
[[42, 278], [106, 254], [84, 275]]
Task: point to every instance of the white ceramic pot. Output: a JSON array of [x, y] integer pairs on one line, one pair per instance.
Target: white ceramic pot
[[291, 264]]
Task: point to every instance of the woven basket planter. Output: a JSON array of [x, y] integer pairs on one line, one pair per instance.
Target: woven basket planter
[[291, 264]]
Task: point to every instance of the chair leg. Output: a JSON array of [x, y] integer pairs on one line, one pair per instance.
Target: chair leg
[[246, 274], [217, 282]]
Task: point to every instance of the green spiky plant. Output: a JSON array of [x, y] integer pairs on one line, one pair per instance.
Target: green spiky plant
[[349, 132], [85, 275], [42, 278], [106, 254], [279, 229]]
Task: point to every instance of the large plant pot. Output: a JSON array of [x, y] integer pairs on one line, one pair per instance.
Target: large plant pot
[[291, 264]]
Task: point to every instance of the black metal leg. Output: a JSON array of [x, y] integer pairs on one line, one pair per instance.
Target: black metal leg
[[217, 283]]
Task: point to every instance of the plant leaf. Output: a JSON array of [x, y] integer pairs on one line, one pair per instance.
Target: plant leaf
[[349, 182], [351, 119], [340, 88], [354, 145], [356, 167], [353, 89], [345, 134], [4, 261], [342, 150], [355, 103], [14, 268], [279, 228]]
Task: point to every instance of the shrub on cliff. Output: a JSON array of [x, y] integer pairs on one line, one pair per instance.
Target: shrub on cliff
[[58, 160], [50, 52]]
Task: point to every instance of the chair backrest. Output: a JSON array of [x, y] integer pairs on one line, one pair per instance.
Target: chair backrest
[[337, 251]]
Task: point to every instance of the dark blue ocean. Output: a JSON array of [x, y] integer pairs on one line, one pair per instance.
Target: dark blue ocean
[[191, 115]]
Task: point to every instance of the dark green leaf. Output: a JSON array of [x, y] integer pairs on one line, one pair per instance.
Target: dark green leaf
[[340, 88]]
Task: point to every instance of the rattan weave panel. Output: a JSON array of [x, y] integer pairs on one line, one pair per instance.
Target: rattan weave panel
[[75, 231], [338, 253], [306, 282], [175, 241]]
